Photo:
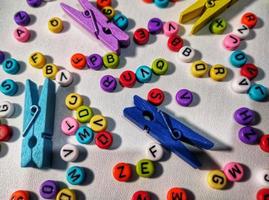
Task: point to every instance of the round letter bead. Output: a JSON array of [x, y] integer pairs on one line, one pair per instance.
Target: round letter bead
[[78, 61], [103, 140], [249, 19], [37, 60], [241, 84], [184, 97], [22, 34], [108, 83], [244, 116], [145, 168], [175, 43], [50, 71], [263, 177], [108, 11], [103, 3], [11, 66], [161, 3], [176, 193], [75, 175], [218, 72], [22, 18], [216, 179], [234, 171], [143, 74], [262, 194], [141, 195], [64, 78], [159, 66], [121, 21], [73, 101], [154, 151], [55, 25], [155, 25], [264, 143], [156, 96], [249, 70], [69, 126], [248, 135], [20, 194], [84, 135], [98, 123], [9, 87], [231, 42], [170, 28], [186, 54], [141, 36], [2, 57], [241, 31], [111, 60], [218, 26], [258, 92], [238, 58], [34, 3], [48, 189], [66, 193], [5, 132], [6, 109], [127, 79], [95, 62], [199, 68], [84, 114], [69, 153], [122, 172]]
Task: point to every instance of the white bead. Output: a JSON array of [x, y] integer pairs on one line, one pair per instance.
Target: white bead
[[69, 153], [186, 54], [240, 84], [263, 177], [154, 151], [6, 109], [241, 31], [64, 78]]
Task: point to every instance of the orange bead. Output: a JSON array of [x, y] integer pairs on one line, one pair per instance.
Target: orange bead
[[249, 19], [176, 193], [148, 1], [103, 3], [122, 172], [20, 195], [78, 61]]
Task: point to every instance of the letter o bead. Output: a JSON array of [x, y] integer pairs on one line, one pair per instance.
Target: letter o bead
[[55, 25], [66, 193], [48, 189], [216, 179], [22, 34], [145, 168], [11, 66], [122, 172]]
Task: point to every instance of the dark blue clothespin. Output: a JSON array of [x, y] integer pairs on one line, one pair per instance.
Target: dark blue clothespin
[[166, 130]]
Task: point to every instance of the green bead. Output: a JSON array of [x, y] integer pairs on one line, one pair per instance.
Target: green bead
[[218, 26], [111, 60], [145, 168], [84, 114], [159, 66]]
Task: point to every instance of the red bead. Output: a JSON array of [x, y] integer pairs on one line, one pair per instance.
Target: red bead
[[141, 36], [103, 140], [5, 132], [156, 96], [78, 61], [176, 193], [122, 172], [103, 3], [263, 194], [127, 79], [264, 143], [148, 1], [249, 19], [141, 195], [20, 195], [249, 70], [175, 43]]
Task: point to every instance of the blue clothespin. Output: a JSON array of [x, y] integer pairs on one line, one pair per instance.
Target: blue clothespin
[[166, 130], [38, 124]]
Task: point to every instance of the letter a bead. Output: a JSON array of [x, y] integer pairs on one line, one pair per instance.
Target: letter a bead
[[11, 66], [66, 194], [145, 168], [234, 171], [216, 179], [122, 172], [55, 25], [176, 193], [22, 34]]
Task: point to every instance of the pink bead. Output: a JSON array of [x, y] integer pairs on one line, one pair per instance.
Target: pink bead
[[22, 34], [234, 171], [231, 42], [69, 126], [170, 28]]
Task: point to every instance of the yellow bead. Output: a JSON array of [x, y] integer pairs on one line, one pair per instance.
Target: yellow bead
[[37, 60], [50, 71], [108, 11], [66, 194], [199, 68], [73, 101], [218, 72], [98, 123], [84, 114], [55, 25], [216, 179]]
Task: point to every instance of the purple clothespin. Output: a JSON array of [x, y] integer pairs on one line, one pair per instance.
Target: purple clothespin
[[97, 24]]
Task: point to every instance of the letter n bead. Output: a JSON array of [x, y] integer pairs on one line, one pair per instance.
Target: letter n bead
[[216, 179]]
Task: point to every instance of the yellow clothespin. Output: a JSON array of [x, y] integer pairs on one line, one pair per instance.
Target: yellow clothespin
[[207, 9]]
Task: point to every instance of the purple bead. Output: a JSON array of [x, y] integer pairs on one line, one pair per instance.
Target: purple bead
[[34, 3], [2, 57], [248, 135], [48, 189], [95, 61], [108, 83], [244, 116], [155, 25], [184, 97], [22, 18]]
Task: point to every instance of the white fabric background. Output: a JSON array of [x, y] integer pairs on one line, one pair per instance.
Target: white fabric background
[[212, 114]]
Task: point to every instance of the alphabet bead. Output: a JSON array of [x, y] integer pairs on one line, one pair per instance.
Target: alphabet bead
[[5, 132], [111, 60], [258, 92], [69, 153], [170, 28], [22, 34], [121, 21], [240, 84], [55, 25], [199, 68], [69, 126], [161, 3], [108, 11], [103, 140], [244, 116], [50, 71], [127, 79], [155, 25], [184, 97], [11, 66], [143, 74], [34, 3], [108, 83], [248, 135], [238, 58], [141, 195], [176, 193], [66, 193], [159, 66], [241, 31], [75, 175], [6, 109], [156, 96], [154, 151], [145, 168], [122, 172], [218, 72], [103, 3], [22, 18], [249, 70], [234, 171], [73, 101], [37, 60], [98, 123], [218, 26], [175, 43], [20, 194], [263, 177], [186, 54], [84, 135], [231, 42], [64, 78], [9, 87], [84, 114], [249, 19], [48, 189], [78, 61], [141, 36], [264, 143], [2, 57], [262, 194], [216, 179], [95, 62]]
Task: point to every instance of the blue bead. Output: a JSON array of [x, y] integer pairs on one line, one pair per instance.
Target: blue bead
[[75, 175], [238, 58], [258, 92], [84, 135], [143, 74], [9, 87], [11, 66], [161, 3], [2, 57], [121, 21]]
